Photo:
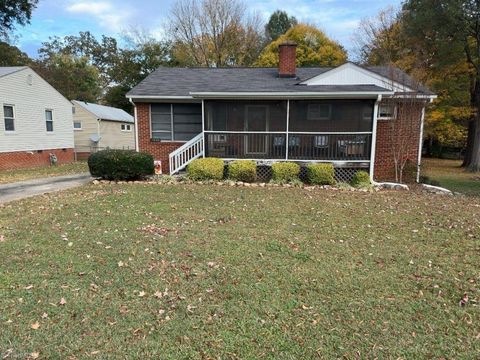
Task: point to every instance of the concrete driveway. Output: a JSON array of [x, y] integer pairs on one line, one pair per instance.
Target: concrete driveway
[[23, 189]]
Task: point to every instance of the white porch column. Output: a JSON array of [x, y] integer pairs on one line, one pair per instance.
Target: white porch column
[[374, 138], [286, 132], [203, 127], [420, 143]]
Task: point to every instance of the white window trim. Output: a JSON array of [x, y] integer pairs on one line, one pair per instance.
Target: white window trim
[[77, 129], [311, 118], [14, 119], [52, 121], [126, 127], [393, 117]]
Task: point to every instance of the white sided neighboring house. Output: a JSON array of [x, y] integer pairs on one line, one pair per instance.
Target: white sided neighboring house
[[97, 127], [36, 121]]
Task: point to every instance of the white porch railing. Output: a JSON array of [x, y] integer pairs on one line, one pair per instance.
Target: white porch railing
[[180, 158]]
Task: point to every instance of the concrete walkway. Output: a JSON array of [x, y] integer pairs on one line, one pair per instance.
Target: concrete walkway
[[23, 189]]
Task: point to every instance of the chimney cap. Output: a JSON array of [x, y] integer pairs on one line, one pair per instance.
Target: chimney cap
[[288, 43]]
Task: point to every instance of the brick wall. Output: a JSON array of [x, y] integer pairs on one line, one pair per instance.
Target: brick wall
[[159, 149], [387, 132], [25, 159]]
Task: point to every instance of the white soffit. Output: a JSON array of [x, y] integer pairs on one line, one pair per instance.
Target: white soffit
[[351, 74]]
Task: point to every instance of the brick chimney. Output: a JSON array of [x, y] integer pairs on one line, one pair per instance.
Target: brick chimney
[[287, 58]]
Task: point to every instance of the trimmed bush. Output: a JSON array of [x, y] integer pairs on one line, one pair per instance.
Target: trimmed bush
[[120, 164], [361, 179], [205, 169], [242, 170], [321, 174], [285, 171]]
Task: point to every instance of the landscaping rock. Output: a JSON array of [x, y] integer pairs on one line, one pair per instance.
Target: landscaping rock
[[394, 186], [436, 190]]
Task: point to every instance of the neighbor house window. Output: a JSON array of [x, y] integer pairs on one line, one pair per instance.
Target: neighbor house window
[[77, 125], [319, 112], [386, 111], [49, 120], [176, 122], [9, 117], [126, 127]]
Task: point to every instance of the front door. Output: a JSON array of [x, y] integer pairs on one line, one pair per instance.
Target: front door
[[256, 119]]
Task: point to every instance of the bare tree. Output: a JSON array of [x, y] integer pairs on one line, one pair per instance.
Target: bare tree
[[214, 33], [376, 41]]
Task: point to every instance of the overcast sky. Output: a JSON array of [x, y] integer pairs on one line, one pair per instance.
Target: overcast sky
[[338, 18]]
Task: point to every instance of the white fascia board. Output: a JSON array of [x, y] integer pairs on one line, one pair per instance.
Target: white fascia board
[[290, 95]]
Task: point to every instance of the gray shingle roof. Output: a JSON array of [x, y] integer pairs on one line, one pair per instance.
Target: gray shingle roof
[[7, 70], [182, 81], [106, 112]]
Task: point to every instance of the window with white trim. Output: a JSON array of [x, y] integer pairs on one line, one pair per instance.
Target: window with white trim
[[175, 122], [9, 117], [126, 127], [77, 125], [386, 111], [49, 120]]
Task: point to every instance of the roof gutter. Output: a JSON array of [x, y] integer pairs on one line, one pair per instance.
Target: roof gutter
[[291, 95]]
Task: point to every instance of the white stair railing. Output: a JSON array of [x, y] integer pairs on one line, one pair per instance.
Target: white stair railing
[[191, 150]]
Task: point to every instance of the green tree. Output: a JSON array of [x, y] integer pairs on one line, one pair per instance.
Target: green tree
[[314, 48], [15, 12], [278, 24], [450, 28], [383, 40], [12, 56], [73, 77]]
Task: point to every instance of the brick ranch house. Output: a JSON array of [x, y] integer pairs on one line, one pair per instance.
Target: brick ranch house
[[36, 121], [348, 115]]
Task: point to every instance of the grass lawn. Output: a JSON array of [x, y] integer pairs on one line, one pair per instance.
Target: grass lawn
[[451, 176], [8, 176], [209, 272]]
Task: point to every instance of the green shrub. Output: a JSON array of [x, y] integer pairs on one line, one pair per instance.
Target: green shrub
[[361, 179], [321, 174], [120, 164], [205, 169], [242, 170], [285, 171]]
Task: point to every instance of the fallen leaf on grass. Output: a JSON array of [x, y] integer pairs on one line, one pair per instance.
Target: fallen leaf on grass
[[28, 287], [158, 294], [34, 355], [62, 301], [120, 264], [35, 326], [2, 238], [44, 315], [141, 293]]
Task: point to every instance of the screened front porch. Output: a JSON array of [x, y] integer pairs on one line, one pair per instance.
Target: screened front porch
[[306, 130]]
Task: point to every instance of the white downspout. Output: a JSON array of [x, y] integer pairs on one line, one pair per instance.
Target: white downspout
[[420, 143], [374, 139], [136, 123]]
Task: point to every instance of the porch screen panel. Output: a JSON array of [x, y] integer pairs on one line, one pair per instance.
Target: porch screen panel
[[232, 115], [187, 121], [161, 119], [331, 115]]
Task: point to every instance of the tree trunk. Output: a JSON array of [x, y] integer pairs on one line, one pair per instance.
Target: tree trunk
[[474, 163], [467, 159]]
